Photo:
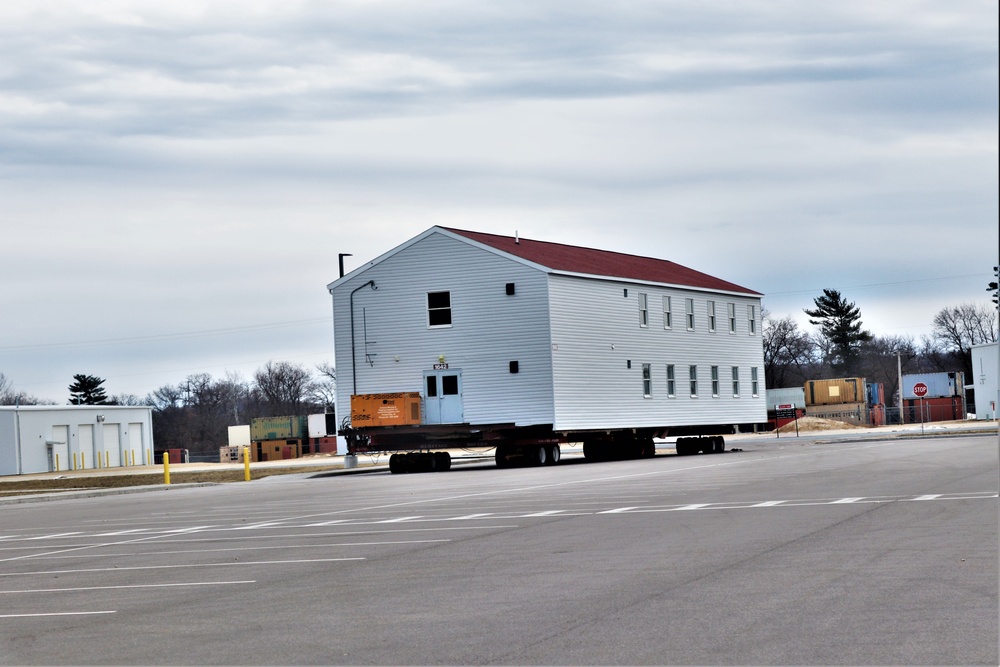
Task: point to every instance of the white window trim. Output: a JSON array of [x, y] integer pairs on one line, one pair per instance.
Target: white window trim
[[451, 310]]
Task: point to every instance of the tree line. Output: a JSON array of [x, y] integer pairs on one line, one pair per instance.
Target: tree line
[[195, 414], [841, 347]]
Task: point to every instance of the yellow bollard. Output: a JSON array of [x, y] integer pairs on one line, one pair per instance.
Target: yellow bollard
[[107, 461], [57, 463], [83, 461], [246, 464], [166, 467], [74, 461]]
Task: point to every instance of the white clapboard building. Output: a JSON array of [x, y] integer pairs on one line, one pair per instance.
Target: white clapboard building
[[505, 330]]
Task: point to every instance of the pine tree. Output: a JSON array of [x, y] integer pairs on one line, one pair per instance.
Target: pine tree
[[840, 324], [87, 390]]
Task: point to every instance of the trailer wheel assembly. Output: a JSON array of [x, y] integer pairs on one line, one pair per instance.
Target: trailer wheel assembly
[[554, 454]]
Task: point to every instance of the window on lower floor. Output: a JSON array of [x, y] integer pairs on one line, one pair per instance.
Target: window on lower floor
[[693, 378], [715, 380], [671, 381]]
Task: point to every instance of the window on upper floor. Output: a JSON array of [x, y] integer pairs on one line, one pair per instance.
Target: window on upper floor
[[732, 317], [752, 319], [711, 316], [667, 320], [439, 309], [643, 310], [689, 313]]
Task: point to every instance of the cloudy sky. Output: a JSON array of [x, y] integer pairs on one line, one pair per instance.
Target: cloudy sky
[[177, 179]]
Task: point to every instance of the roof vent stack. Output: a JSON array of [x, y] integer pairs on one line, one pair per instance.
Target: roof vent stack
[[517, 239]]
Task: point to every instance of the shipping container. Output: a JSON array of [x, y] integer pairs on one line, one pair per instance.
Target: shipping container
[[322, 425], [394, 409], [941, 409], [278, 428], [853, 413], [833, 392], [788, 396], [933, 385], [276, 450]]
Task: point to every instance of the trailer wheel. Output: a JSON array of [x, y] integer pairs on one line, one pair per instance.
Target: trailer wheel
[[540, 455], [720, 444], [394, 464], [554, 455], [501, 456], [443, 461]]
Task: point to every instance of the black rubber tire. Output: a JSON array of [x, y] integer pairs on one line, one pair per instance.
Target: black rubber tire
[[443, 460], [720, 444], [501, 457], [395, 465], [555, 454], [540, 455]]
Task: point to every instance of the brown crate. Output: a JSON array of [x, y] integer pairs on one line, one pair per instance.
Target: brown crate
[[834, 392]]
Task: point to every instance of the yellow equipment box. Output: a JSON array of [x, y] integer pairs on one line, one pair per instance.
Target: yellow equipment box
[[399, 409]]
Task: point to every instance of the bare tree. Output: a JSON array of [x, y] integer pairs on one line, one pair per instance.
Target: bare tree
[[10, 396], [960, 327], [789, 354], [285, 387]]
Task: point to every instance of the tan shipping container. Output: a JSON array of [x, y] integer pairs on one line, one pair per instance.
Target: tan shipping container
[[834, 392], [394, 409]]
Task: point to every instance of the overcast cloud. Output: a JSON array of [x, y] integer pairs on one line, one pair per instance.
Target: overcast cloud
[[177, 178]]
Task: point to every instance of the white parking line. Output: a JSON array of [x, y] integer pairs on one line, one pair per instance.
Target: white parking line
[[846, 501], [618, 510], [931, 496], [104, 588], [178, 566], [59, 613], [546, 513], [696, 506], [400, 519], [55, 536], [768, 503], [469, 516]]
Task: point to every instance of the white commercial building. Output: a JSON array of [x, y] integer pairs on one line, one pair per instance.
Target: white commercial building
[[985, 369], [48, 438]]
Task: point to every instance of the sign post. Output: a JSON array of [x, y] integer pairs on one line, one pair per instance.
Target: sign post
[[785, 411]]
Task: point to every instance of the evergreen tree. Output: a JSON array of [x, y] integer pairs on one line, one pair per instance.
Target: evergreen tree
[[840, 325], [87, 390]]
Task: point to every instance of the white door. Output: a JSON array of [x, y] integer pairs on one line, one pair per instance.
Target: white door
[[87, 453], [60, 449], [112, 446], [443, 397], [135, 453]]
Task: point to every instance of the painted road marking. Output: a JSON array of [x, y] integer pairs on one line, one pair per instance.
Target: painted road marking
[[618, 510], [53, 537], [59, 613], [469, 516], [104, 588], [846, 501], [178, 566], [768, 503], [400, 519], [123, 532], [546, 513], [696, 506], [932, 496]]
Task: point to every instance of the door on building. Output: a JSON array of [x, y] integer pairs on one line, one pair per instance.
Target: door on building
[[59, 451], [443, 397], [112, 446]]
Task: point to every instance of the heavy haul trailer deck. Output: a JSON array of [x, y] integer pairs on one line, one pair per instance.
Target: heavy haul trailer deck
[[413, 446]]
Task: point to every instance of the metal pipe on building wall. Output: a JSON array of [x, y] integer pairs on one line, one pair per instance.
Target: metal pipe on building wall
[[354, 366]]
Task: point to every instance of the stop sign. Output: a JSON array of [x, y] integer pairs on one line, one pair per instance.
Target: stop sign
[[920, 390]]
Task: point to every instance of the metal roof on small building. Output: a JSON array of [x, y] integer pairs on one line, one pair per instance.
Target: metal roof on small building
[[588, 261]]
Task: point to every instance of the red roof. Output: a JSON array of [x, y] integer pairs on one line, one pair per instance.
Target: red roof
[[575, 259]]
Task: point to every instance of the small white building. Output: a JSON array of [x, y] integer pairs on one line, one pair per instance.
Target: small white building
[[504, 330], [49, 438], [985, 369]]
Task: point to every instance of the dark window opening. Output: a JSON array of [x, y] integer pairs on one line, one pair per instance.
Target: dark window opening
[[513, 367], [439, 309], [432, 386], [510, 289], [449, 385]]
